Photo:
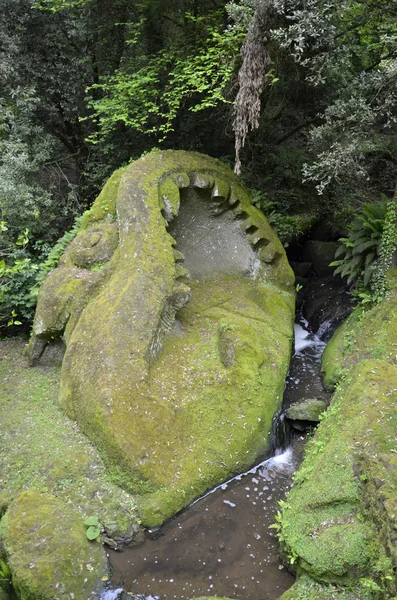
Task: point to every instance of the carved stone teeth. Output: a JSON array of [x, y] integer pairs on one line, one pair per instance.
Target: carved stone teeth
[[173, 241], [221, 189], [254, 238], [233, 198], [203, 181], [249, 228], [181, 180], [181, 273], [269, 253], [178, 256], [220, 209]]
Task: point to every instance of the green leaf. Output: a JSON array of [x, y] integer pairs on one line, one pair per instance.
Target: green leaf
[[92, 521], [93, 532]]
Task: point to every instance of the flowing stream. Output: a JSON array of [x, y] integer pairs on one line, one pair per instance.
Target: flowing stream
[[222, 545]]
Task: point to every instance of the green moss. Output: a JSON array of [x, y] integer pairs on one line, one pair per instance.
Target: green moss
[[93, 245], [368, 334], [47, 550], [309, 410], [105, 204], [307, 589], [337, 524]]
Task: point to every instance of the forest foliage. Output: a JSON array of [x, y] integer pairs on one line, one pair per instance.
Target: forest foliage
[[304, 89]]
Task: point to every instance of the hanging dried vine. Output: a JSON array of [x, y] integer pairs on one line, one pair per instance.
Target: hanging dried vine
[[251, 77]]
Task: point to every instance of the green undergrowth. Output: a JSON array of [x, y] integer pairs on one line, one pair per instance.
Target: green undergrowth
[[42, 450]]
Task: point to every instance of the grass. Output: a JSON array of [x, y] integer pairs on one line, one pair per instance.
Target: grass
[[41, 449]]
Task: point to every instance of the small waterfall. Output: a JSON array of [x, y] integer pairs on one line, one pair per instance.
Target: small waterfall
[[281, 434]]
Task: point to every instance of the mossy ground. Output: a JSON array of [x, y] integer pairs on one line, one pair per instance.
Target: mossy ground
[[41, 449]]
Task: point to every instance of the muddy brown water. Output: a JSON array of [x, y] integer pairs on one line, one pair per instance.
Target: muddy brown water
[[222, 545]]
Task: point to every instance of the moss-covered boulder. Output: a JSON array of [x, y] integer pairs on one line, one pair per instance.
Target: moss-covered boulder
[[339, 524], [308, 410], [364, 335], [47, 550], [178, 340]]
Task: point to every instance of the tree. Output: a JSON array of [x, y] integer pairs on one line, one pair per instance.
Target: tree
[[348, 52]]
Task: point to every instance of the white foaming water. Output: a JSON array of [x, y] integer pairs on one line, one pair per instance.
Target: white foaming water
[[304, 339], [280, 462], [114, 595], [111, 594]]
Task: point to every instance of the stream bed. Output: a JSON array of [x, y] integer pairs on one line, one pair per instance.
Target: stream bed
[[222, 545]]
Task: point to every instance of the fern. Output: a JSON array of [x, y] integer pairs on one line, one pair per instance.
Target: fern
[[366, 254]]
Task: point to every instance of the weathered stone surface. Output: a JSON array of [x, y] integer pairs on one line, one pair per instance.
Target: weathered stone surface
[[176, 405], [47, 550], [309, 410]]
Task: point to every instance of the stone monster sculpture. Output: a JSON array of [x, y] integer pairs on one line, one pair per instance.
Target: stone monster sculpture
[[175, 306]]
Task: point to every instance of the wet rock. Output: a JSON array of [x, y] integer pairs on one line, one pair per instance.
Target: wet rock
[[326, 304], [47, 550], [320, 255], [174, 409], [301, 269], [309, 410]]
